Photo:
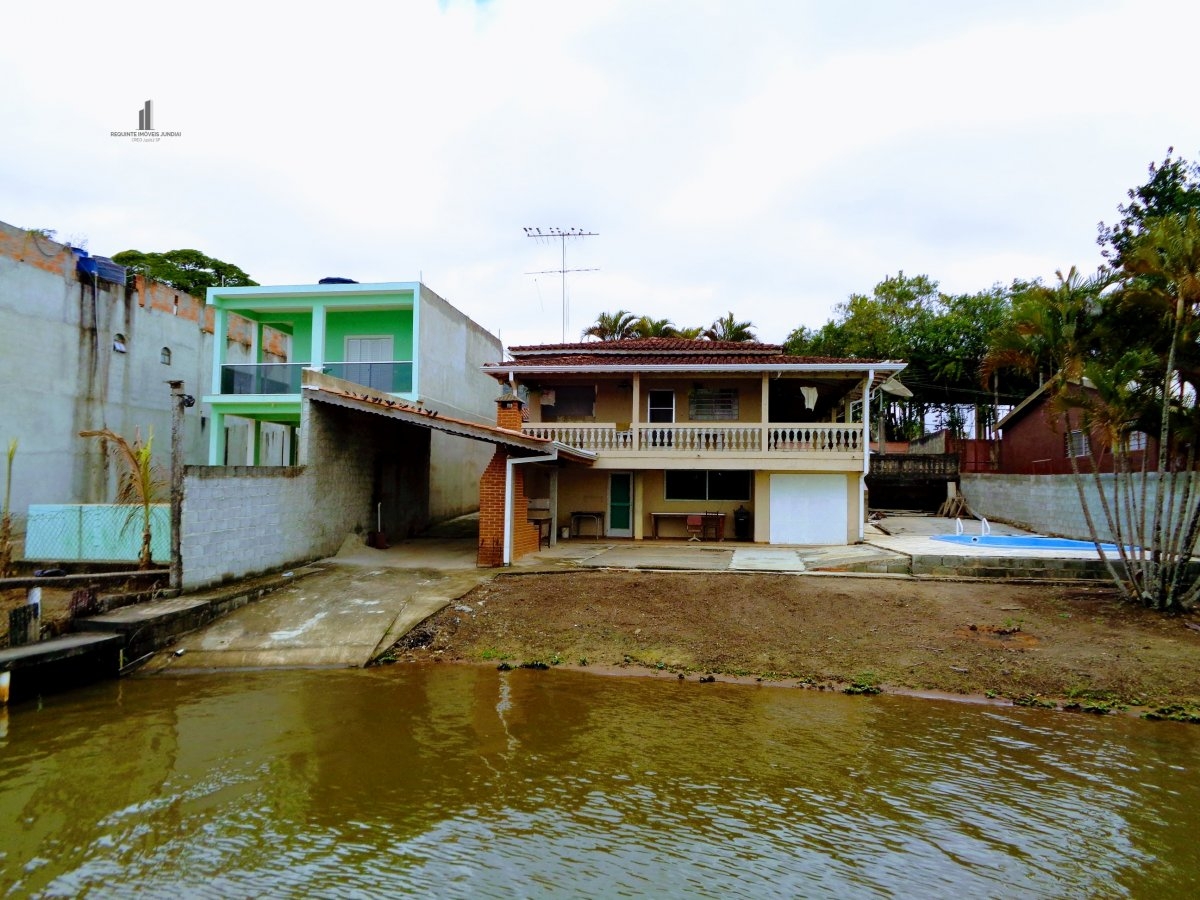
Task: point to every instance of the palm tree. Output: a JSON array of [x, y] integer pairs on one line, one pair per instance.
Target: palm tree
[[727, 328], [691, 333], [645, 327], [612, 326], [140, 485]]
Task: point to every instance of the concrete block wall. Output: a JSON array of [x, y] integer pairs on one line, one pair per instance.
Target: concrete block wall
[[246, 520], [243, 520], [1046, 504], [338, 448]]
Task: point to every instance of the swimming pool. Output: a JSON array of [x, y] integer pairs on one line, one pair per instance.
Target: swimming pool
[[1020, 542]]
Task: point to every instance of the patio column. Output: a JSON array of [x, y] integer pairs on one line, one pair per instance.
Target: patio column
[[220, 330], [254, 446], [316, 353], [216, 439], [553, 507], [765, 436], [635, 417]]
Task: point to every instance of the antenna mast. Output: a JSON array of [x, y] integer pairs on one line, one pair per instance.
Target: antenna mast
[[560, 234]]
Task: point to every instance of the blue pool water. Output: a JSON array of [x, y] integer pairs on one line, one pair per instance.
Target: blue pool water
[[1021, 542]]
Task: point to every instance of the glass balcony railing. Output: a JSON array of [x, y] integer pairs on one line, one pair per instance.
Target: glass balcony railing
[[267, 378], [284, 378], [389, 377]]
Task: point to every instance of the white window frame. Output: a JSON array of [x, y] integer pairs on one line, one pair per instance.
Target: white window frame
[[1078, 443], [650, 407]]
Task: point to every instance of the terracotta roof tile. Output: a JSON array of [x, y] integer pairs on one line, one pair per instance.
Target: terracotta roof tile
[[629, 361], [648, 345]]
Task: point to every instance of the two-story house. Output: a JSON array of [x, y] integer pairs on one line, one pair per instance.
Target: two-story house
[[397, 338], [758, 444]]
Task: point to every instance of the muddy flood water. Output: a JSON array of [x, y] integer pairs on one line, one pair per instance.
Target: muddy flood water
[[462, 781]]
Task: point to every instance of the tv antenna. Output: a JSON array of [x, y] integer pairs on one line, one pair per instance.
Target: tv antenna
[[561, 235]]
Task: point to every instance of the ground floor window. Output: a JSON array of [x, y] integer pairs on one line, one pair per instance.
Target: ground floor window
[[707, 484], [1077, 444]]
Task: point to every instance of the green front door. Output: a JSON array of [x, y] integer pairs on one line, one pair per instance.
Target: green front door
[[620, 504]]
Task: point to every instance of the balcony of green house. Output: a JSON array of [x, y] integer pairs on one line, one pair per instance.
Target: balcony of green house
[[389, 376]]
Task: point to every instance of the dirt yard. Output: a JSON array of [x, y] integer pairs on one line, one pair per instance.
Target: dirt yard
[[1033, 644]]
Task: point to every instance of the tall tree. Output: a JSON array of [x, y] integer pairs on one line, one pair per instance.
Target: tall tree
[[727, 328], [616, 326], [943, 338], [1172, 188], [1122, 349], [188, 270]]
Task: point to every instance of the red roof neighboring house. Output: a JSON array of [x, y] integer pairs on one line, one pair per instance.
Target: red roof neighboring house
[[1038, 441]]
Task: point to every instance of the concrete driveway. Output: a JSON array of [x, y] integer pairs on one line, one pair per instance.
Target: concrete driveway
[[354, 606]]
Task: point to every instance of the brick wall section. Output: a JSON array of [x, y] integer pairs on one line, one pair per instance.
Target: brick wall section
[[491, 512], [491, 500]]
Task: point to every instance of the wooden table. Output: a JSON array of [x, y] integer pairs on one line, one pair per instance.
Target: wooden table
[[597, 517], [540, 517], [706, 518]]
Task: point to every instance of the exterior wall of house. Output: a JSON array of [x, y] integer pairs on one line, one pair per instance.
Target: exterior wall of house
[[396, 324], [62, 375], [1036, 444], [452, 349]]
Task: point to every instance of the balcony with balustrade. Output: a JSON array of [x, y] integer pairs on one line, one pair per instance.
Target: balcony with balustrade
[[783, 445]]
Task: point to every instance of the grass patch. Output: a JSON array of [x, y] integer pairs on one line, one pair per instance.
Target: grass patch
[[863, 683]]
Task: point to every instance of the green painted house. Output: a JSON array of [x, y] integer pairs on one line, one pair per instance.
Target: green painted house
[[399, 338]]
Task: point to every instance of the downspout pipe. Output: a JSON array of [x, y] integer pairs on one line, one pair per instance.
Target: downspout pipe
[[866, 443], [508, 497]]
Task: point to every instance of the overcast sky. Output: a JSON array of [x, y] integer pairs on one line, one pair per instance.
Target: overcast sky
[[768, 158]]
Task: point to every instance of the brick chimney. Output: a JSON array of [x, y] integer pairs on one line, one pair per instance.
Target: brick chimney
[[508, 408]]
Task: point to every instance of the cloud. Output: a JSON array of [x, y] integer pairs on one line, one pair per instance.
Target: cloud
[[768, 158]]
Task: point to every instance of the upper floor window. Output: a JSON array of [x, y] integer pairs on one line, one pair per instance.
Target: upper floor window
[[164, 356], [562, 404], [660, 406], [713, 405], [1137, 441]]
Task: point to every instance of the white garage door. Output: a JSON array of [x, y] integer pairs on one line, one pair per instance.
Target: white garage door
[[808, 509]]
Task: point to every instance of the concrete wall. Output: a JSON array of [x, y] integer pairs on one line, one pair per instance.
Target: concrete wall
[[61, 373], [245, 520], [452, 349], [1047, 504]]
